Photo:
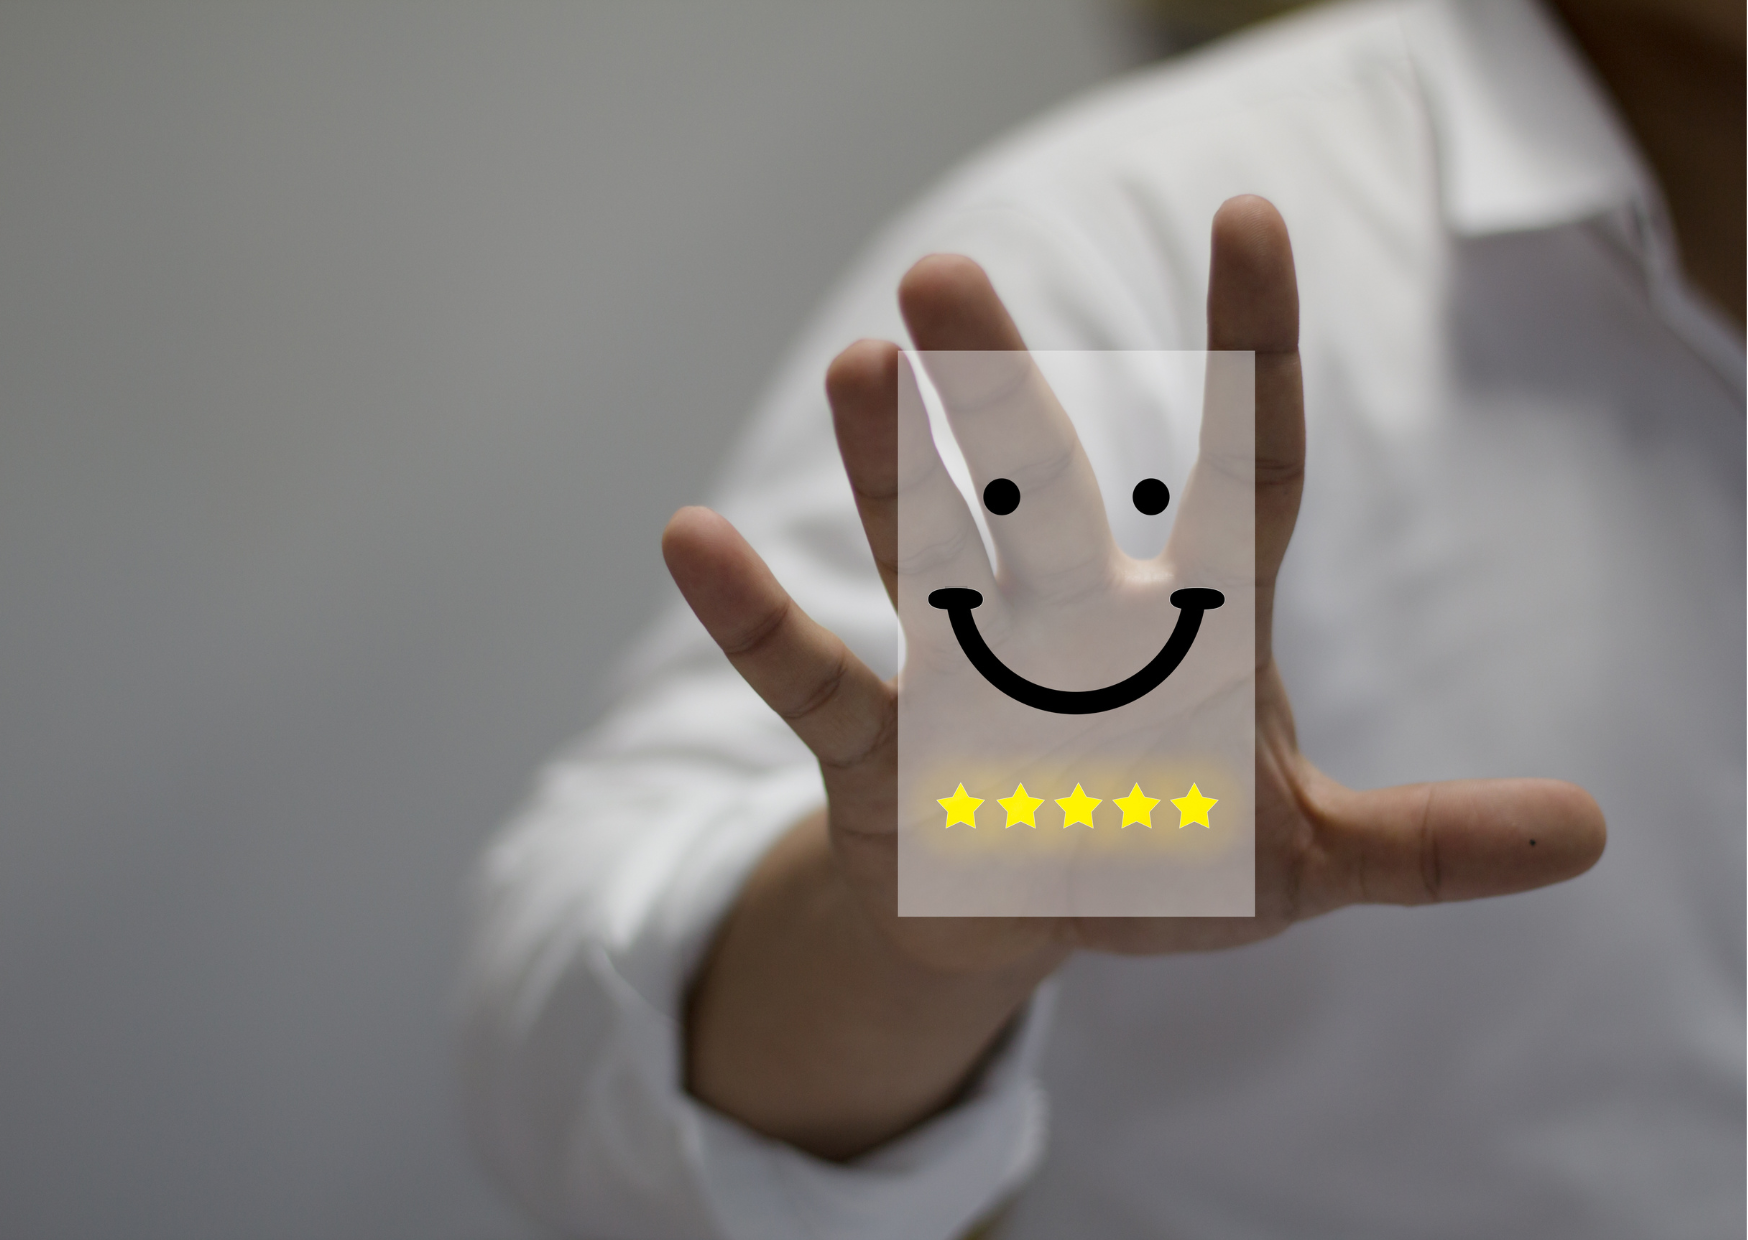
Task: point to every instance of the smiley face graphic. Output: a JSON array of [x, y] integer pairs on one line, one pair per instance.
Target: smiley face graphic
[[1002, 497], [1073, 634]]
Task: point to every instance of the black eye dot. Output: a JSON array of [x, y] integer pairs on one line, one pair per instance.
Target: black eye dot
[[1151, 496], [1001, 497]]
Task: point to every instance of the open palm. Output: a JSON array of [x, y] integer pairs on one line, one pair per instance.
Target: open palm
[[1318, 845]]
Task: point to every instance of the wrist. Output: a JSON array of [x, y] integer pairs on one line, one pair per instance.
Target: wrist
[[994, 954], [823, 1019]]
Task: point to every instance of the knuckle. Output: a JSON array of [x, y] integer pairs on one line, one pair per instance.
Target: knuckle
[[857, 751], [757, 636], [821, 692], [1431, 864]]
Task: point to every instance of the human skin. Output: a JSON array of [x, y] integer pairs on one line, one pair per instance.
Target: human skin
[[825, 1019], [822, 1018]]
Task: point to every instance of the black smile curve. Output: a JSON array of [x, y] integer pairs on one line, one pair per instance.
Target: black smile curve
[[958, 603]]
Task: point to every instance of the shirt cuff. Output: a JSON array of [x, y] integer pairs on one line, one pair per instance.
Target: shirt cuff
[[933, 1183]]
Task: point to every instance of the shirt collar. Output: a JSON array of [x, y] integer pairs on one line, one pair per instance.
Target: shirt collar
[[1526, 137]]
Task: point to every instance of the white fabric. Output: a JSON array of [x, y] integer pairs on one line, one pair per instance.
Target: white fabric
[[1520, 552]]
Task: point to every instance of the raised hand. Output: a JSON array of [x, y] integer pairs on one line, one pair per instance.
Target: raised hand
[[875, 1017]]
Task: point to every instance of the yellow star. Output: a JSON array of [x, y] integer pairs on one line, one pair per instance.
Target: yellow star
[[960, 807], [1021, 807], [1077, 806], [1192, 806], [1136, 807]]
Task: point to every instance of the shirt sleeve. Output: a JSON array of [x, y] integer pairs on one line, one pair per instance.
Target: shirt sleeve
[[594, 906]]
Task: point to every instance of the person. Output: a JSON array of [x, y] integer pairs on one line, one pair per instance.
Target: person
[[1448, 229]]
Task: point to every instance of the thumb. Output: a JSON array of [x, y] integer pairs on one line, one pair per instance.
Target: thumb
[[1456, 840]]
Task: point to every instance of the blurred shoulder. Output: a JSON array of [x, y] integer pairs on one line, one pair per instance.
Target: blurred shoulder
[[1358, 45], [1092, 219], [1096, 214]]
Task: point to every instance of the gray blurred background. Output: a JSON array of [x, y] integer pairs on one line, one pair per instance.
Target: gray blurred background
[[351, 357]]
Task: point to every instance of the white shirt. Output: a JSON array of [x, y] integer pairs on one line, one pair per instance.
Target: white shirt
[[1520, 552]]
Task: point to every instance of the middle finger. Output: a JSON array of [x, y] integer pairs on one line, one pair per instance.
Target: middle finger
[[1045, 514]]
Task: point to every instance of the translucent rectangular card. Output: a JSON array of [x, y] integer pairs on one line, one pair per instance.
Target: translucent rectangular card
[[1076, 589]]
